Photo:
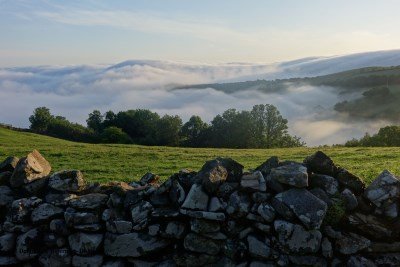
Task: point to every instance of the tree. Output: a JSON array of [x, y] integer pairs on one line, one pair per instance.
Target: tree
[[269, 126], [139, 124], [167, 130], [232, 129], [352, 143], [40, 119], [192, 131], [386, 136], [262, 127], [95, 121], [389, 136], [109, 119], [290, 141], [114, 134]]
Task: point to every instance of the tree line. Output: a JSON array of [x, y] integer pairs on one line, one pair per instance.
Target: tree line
[[386, 136], [261, 127]]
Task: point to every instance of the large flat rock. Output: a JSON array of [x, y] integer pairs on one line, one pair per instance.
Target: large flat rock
[[384, 188], [309, 209], [291, 174], [32, 167]]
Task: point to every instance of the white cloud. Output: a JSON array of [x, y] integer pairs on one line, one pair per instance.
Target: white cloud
[[207, 29], [219, 34], [331, 131]]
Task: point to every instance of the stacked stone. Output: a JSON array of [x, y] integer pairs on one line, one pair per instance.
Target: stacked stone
[[281, 214]]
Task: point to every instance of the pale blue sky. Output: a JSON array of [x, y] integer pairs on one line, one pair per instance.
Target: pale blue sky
[[91, 32]]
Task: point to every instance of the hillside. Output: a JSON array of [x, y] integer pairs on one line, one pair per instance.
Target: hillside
[[345, 81], [368, 93], [102, 162]]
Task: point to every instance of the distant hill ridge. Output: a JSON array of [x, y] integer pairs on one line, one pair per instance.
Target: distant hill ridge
[[356, 78]]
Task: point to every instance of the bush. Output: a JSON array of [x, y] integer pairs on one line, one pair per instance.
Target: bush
[[62, 128], [115, 135]]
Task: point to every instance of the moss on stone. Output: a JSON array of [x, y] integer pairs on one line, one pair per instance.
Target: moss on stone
[[335, 213]]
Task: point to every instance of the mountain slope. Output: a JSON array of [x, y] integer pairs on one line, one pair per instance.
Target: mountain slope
[[371, 93], [356, 79]]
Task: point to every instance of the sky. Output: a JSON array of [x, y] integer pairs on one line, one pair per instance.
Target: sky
[[101, 32]]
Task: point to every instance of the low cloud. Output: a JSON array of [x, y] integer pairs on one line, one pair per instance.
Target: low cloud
[[331, 131]]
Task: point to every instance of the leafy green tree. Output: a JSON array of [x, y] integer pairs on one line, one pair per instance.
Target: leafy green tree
[[389, 136], [139, 124], [290, 141], [262, 127], [192, 132], [232, 129], [167, 130], [269, 126], [114, 134], [222, 129], [242, 130], [109, 119], [95, 121], [40, 119], [352, 143]]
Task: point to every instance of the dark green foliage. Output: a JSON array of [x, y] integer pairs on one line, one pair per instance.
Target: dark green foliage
[[40, 119], [386, 136], [109, 119], [62, 128], [193, 132], [335, 213], [95, 121], [167, 130], [262, 127], [231, 129], [114, 135], [375, 103], [269, 126], [139, 124]]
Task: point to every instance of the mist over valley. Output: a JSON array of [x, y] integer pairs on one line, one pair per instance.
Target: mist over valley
[[334, 107]]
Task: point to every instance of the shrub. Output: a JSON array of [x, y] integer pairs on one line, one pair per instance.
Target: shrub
[[115, 135]]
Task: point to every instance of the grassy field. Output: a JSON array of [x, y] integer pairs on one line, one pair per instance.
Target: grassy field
[[104, 162]]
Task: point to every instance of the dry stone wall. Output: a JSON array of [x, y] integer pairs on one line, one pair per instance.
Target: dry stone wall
[[283, 213]]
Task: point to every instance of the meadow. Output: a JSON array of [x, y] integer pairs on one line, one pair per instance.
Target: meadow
[[103, 162]]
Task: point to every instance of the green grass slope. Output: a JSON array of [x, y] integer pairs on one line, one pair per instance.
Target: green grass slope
[[346, 81], [102, 162]]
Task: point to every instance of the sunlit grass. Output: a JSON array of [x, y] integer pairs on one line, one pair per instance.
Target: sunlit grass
[[103, 162]]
